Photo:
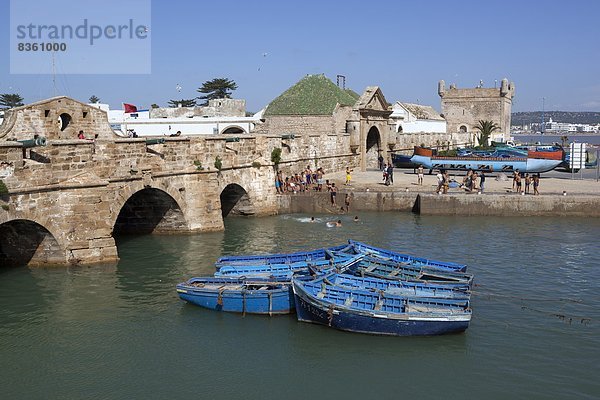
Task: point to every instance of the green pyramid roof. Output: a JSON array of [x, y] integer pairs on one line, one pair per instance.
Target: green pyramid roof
[[352, 93], [312, 95]]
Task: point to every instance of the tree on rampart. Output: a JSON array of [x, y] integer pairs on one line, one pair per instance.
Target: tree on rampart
[[10, 100], [183, 102], [218, 88]]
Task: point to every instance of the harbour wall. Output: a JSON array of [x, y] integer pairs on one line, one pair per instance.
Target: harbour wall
[[433, 204]]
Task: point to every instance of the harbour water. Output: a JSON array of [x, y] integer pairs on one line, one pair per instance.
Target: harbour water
[[120, 331], [551, 138]]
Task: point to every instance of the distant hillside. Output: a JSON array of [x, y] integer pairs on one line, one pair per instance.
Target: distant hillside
[[571, 117]]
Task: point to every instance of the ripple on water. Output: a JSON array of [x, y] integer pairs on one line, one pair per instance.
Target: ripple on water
[[536, 280]]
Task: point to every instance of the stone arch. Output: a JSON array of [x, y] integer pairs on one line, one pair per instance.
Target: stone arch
[[25, 242], [373, 147], [64, 120], [234, 129], [235, 201], [463, 129], [149, 210]]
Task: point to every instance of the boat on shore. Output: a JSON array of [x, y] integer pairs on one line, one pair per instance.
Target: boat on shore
[[241, 295], [365, 311], [530, 161]]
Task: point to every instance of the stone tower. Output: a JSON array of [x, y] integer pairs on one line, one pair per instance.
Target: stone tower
[[463, 108]]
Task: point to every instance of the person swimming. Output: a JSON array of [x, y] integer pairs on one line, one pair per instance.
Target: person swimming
[[332, 224]]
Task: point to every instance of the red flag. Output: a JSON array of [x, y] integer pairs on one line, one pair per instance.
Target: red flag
[[129, 108]]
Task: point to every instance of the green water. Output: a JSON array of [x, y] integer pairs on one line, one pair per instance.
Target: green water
[[120, 331]]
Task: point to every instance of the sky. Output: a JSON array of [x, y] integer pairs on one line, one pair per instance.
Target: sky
[[549, 49]]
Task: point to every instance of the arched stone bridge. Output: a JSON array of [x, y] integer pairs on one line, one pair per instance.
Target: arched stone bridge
[[64, 202]]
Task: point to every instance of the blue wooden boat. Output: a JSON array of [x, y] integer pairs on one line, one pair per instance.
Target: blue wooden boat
[[242, 295], [281, 258], [400, 288], [359, 247], [386, 269], [340, 261], [371, 312], [535, 161]]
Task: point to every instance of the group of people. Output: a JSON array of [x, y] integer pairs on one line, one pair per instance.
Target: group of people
[[473, 181], [469, 182], [302, 181], [527, 180], [388, 174]]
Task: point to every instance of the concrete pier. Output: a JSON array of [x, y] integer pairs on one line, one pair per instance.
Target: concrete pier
[[559, 196]]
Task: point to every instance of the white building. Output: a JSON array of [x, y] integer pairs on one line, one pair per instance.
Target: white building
[[416, 118], [186, 122]]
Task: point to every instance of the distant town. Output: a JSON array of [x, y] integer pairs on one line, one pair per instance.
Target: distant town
[[555, 122]]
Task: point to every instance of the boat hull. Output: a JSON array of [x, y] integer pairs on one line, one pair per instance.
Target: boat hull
[[528, 165], [364, 311], [364, 248], [345, 320], [269, 301]]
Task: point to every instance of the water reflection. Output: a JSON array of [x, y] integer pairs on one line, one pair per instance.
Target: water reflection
[[536, 280]]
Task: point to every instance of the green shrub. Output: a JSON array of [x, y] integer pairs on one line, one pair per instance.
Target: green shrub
[[218, 163], [5, 207], [276, 155], [256, 164], [3, 188], [198, 165]]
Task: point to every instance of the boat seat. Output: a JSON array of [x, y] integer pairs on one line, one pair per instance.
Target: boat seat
[[371, 268]]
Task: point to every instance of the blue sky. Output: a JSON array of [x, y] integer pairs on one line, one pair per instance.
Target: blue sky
[[549, 49]]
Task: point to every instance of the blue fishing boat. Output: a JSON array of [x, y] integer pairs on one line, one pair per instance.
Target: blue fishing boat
[[241, 295], [339, 260], [359, 247], [386, 269], [365, 311], [400, 288], [533, 161], [281, 258]]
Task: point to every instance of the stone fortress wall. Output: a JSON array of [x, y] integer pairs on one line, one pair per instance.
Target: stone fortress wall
[[464, 108]]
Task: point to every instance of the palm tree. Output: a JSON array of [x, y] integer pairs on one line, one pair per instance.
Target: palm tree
[[564, 139], [486, 128]]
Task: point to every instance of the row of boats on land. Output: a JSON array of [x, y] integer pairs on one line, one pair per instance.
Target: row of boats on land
[[353, 287]]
